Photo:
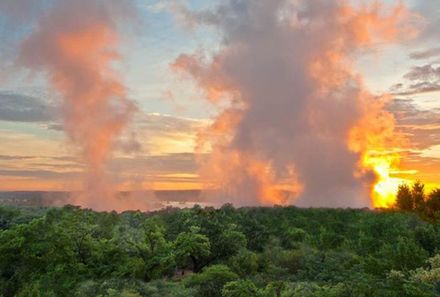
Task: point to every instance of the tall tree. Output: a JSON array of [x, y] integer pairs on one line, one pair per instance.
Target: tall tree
[[433, 204], [404, 199], [418, 195]]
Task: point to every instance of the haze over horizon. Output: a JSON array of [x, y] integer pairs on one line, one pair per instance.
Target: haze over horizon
[[334, 101]]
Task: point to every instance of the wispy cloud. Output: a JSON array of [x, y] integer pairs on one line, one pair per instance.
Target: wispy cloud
[[23, 108], [162, 156], [425, 54], [419, 80]]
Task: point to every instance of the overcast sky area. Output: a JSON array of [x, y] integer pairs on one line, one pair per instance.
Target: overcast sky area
[[156, 149]]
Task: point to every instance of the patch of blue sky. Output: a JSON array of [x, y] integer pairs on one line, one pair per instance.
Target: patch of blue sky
[[39, 130], [148, 57]]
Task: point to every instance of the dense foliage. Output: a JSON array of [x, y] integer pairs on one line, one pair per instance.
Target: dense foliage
[[415, 199], [226, 252]]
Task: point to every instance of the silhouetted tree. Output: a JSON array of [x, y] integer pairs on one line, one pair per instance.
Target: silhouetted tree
[[404, 199], [418, 195], [433, 203]]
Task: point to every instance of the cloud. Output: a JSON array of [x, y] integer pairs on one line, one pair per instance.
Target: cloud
[[424, 73], [14, 158], [430, 12], [44, 174], [22, 108], [289, 100], [159, 164], [419, 80], [422, 130], [75, 43], [160, 124], [17, 17], [22, 11], [166, 168], [162, 134], [426, 54], [421, 127], [150, 162], [407, 113]]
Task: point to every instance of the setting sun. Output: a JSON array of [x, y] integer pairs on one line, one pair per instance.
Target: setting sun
[[385, 187]]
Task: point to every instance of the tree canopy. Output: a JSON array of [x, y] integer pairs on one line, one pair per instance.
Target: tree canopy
[[224, 252]]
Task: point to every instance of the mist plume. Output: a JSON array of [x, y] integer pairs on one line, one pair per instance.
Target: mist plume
[[295, 115], [75, 43]]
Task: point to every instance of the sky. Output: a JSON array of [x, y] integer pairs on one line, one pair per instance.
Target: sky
[[179, 68]]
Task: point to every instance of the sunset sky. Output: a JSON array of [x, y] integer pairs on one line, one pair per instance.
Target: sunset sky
[[159, 145]]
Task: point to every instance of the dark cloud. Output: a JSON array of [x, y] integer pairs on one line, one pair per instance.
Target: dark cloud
[[418, 88], [426, 54], [55, 126], [160, 164], [22, 108], [46, 174], [419, 80], [407, 113], [421, 127], [424, 73]]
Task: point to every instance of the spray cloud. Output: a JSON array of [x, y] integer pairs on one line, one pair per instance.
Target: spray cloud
[[295, 114], [75, 44]]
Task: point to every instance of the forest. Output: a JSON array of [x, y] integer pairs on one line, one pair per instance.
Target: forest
[[224, 252]]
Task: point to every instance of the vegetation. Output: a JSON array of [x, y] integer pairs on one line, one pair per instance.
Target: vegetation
[[414, 199], [226, 252]]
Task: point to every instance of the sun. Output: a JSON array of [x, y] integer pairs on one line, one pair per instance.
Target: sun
[[384, 190]]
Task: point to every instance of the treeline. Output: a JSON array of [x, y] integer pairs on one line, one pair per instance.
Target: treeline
[[416, 200], [226, 252]]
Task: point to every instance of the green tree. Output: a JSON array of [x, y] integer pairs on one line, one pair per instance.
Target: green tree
[[240, 288], [230, 242], [405, 254], [6, 217], [293, 237], [430, 275], [244, 263], [211, 280], [154, 254], [193, 246]]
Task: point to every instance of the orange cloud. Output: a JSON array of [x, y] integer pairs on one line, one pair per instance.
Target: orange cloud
[[294, 108], [75, 44]]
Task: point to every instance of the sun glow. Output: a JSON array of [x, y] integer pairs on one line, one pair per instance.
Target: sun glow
[[384, 189]]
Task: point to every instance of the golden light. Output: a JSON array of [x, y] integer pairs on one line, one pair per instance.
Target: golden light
[[384, 190]]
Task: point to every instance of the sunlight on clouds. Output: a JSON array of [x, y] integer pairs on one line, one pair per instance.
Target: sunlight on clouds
[[173, 143], [149, 156], [29, 145], [431, 152], [19, 183], [165, 134]]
